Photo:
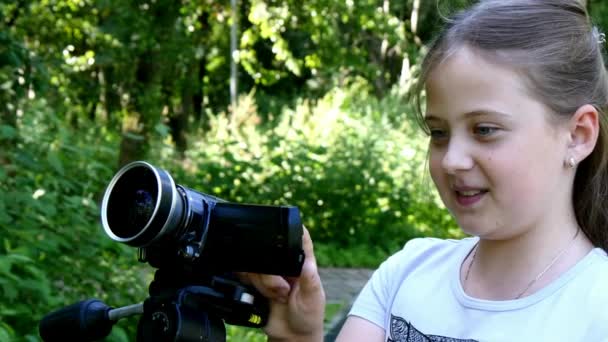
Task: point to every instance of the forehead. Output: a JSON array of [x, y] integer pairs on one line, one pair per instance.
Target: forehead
[[467, 81]]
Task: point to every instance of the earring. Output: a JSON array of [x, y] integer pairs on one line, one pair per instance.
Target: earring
[[571, 162]]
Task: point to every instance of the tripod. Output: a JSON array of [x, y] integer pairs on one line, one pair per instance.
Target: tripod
[[180, 308]]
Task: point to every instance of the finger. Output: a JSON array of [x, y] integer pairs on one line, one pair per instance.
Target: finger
[[307, 246], [309, 280], [279, 288], [270, 286], [243, 277], [310, 262]]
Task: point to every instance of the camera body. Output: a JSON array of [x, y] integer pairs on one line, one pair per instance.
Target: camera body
[[180, 228], [196, 241]]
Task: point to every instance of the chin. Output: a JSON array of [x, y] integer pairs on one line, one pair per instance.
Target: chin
[[474, 228]]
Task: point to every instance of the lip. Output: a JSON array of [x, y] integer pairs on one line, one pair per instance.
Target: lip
[[468, 201]]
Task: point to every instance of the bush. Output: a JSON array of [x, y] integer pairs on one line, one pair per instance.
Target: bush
[[354, 166], [53, 250], [351, 163]]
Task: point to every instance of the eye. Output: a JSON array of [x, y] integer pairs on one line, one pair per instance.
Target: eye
[[438, 135], [485, 130]]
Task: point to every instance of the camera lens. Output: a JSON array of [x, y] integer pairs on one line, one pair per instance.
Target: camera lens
[[140, 204], [141, 209], [132, 202]]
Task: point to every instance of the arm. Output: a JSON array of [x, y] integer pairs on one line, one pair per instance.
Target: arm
[[358, 329], [368, 315]]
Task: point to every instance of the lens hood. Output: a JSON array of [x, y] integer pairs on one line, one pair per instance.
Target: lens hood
[[140, 205]]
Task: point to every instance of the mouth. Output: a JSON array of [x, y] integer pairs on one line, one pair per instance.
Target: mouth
[[468, 197]]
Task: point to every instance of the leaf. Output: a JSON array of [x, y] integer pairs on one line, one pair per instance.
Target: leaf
[[7, 132], [133, 136], [10, 309], [6, 333], [55, 162], [31, 338], [5, 219], [10, 293], [20, 258], [118, 335], [5, 266], [161, 129]]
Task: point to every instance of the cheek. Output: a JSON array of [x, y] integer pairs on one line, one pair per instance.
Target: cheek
[[435, 167], [514, 177]]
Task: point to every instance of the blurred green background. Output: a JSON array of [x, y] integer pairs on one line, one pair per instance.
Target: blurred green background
[[320, 120]]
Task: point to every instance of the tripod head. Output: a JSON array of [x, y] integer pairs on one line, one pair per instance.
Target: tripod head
[[177, 313], [172, 312]]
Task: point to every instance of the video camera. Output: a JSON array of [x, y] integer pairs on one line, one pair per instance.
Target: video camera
[[196, 241]]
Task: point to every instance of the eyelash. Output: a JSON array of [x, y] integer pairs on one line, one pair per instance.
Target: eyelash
[[434, 133], [437, 134], [492, 130]]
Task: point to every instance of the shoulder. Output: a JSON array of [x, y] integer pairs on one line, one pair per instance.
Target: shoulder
[[596, 272], [595, 298], [421, 254], [433, 249], [595, 276]]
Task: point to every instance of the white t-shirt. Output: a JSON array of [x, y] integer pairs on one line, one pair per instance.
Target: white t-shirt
[[416, 295]]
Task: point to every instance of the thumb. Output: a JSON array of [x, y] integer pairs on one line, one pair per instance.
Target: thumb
[[309, 279]]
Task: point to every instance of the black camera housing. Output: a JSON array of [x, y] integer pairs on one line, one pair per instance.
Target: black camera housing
[[180, 228]]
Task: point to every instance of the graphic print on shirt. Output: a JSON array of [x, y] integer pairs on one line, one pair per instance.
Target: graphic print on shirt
[[402, 331]]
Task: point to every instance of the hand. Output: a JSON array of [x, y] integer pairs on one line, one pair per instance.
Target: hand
[[297, 305]]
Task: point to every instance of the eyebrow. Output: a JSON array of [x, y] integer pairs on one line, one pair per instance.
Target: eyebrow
[[473, 113]]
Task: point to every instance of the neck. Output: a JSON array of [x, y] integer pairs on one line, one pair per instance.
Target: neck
[[502, 269]]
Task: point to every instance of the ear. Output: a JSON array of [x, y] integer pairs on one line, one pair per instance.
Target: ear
[[584, 131]]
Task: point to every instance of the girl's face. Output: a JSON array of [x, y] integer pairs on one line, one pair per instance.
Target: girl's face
[[496, 159]]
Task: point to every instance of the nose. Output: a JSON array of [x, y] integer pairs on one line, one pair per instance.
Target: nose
[[457, 157]]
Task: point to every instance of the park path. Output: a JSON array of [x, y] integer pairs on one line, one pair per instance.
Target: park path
[[341, 285]]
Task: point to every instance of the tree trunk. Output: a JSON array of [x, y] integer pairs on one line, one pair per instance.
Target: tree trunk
[[8, 145], [16, 11], [153, 65], [197, 99], [414, 17], [233, 47], [180, 115], [144, 111], [109, 96], [132, 147]]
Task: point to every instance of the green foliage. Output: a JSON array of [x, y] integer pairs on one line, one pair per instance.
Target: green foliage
[[238, 334], [324, 42], [53, 251], [351, 163], [86, 84], [599, 13], [358, 255]]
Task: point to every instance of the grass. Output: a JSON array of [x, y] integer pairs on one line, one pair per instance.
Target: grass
[[331, 310]]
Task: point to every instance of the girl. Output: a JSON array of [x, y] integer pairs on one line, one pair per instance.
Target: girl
[[516, 94]]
